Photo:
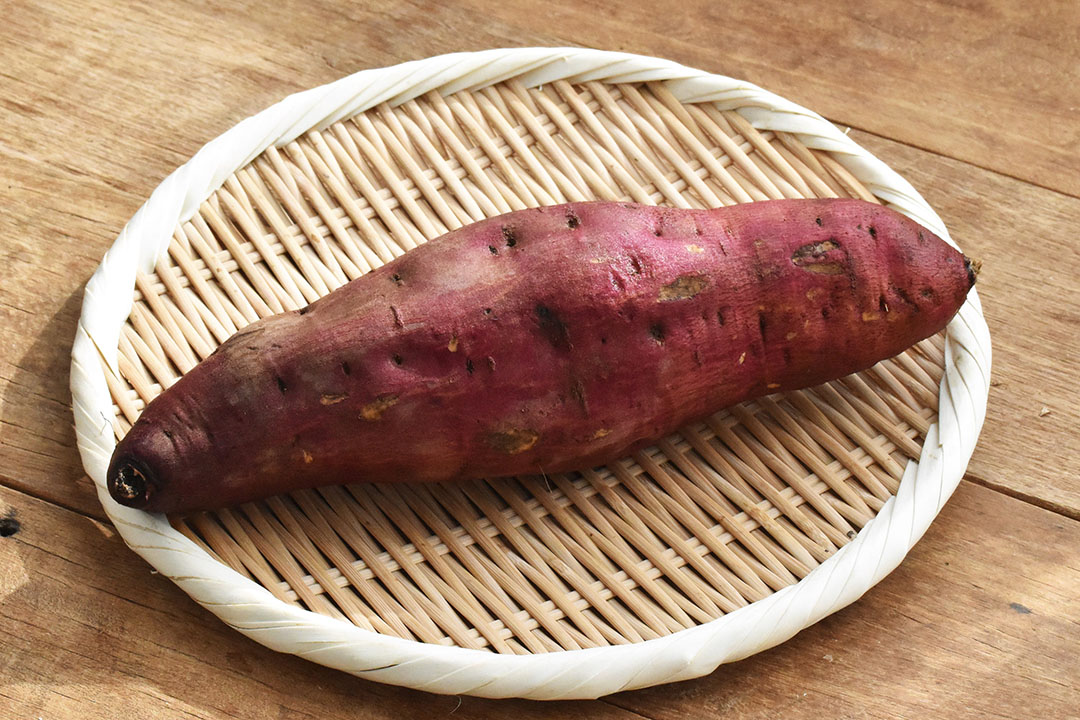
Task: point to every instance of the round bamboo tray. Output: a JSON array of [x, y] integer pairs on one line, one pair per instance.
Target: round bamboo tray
[[722, 540]]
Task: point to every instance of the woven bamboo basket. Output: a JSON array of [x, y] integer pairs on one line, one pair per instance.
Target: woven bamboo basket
[[722, 540]]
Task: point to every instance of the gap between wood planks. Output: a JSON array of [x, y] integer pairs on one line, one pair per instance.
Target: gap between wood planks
[[846, 128]]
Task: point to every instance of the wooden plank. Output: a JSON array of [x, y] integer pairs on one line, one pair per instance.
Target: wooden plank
[[979, 621], [89, 632], [995, 83]]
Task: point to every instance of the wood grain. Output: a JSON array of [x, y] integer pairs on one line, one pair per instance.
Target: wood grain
[[996, 84], [90, 632], [959, 630]]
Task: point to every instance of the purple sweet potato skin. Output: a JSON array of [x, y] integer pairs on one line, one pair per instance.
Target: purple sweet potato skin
[[544, 340]]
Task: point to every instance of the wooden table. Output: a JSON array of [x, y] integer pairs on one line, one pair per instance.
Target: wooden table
[[976, 103]]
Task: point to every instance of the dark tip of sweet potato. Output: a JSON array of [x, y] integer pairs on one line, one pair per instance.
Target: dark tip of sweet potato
[[973, 267]]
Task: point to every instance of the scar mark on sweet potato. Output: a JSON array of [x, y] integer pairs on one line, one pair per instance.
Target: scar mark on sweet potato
[[762, 324], [905, 298], [375, 409], [818, 221], [397, 279], [452, 346], [683, 287], [397, 317], [812, 257], [552, 327], [873, 232], [332, 398], [281, 386], [720, 317], [469, 366], [577, 390], [508, 236], [572, 220], [491, 363], [512, 441], [397, 359], [635, 265], [345, 368], [656, 332], [493, 250], [882, 304]]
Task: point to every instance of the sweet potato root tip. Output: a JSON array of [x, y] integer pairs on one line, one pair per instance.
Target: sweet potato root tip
[[973, 267]]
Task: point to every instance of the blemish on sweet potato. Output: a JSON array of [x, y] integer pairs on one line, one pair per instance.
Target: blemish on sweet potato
[[469, 366], [397, 279], [882, 304], [683, 287], [345, 368], [490, 363], [374, 409], [512, 441], [656, 332], [281, 386], [812, 257], [696, 249], [742, 358], [508, 236], [871, 315], [452, 346], [397, 359], [332, 398], [905, 298], [397, 317], [308, 458], [552, 327], [572, 220], [493, 250], [577, 390], [600, 433]]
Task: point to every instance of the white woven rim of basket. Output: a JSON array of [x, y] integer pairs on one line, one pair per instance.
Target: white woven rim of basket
[[586, 673]]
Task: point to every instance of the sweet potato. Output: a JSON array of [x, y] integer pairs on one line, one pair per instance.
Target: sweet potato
[[545, 340]]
